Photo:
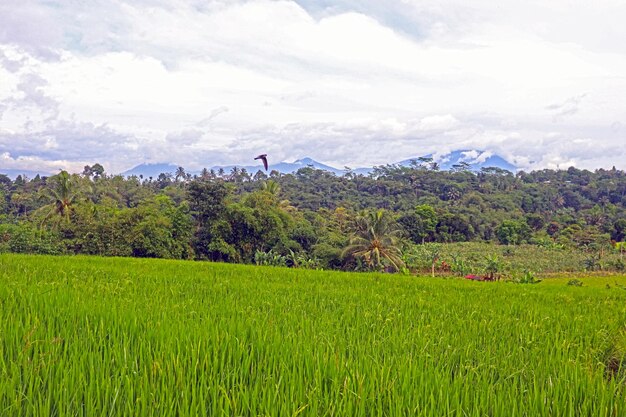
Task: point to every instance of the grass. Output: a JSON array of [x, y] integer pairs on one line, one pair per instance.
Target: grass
[[540, 260], [86, 336]]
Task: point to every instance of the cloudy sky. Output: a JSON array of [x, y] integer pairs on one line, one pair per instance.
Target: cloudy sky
[[348, 82]]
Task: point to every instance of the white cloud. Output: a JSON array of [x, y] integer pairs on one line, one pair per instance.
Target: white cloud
[[351, 83], [438, 122], [214, 113], [36, 164]]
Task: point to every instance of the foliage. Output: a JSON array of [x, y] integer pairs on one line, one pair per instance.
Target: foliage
[[163, 230], [301, 260], [558, 220], [511, 232], [532, 257], [375, 240], [528, 277], [328, 256], [493, 266], [63, 191], [429, 253], [207, 202], [421, 224], [591, 263], [269, 258], [148, 337], [460, 266], [27, 238], [619, 264]]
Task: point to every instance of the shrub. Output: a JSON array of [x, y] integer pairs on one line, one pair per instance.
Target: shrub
[[269, 258], [528, 277], [26, 238]]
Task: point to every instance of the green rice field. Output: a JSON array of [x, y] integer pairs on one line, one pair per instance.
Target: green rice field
[[87, 336]]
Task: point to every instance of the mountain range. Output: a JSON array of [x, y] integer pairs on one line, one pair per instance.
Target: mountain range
[[14, 173], [475, 160]]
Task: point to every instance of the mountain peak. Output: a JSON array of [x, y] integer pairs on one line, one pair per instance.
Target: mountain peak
[[151, 169], [476, 159]]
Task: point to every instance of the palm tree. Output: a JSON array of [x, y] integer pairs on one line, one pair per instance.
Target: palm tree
[[259, 176], [63, 191], [375, 240], [234, 174], [558, 202], [180, 173], [271, 187], [244, 175]]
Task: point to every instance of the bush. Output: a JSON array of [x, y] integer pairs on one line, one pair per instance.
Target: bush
[[528, 277], [329, 256], [618, 265], [26, 238], [269, 258]]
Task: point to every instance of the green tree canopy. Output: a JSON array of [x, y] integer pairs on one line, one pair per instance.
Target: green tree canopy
[[376, 240]]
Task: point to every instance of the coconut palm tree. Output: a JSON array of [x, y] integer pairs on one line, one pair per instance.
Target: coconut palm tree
[[180, 173], [63, 191], [271, 187], [234, 174], [376, 240]]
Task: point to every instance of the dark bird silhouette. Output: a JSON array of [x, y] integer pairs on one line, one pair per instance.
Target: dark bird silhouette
[[263, 157]]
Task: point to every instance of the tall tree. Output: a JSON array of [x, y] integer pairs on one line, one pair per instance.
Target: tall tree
[[271, 186], [64, 189], [180, 174], [376, 240], [207, 202]]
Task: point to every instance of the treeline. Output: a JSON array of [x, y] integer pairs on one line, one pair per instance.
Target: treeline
[[311, 218]]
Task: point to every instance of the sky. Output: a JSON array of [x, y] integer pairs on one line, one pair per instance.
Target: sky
[[351, 83]]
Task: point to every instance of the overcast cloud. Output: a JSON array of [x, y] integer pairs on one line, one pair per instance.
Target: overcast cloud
[[347, 82]]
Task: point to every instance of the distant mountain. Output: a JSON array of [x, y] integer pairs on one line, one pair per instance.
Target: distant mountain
[[151, 170], [475, 159], [306, 162], [13, 173], [284, 167]]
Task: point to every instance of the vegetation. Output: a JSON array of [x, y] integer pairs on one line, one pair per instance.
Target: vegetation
[[63, 191], [376, 240], [97, 336], [572, 220]]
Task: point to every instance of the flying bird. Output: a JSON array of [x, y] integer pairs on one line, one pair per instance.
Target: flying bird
[[263, 157]]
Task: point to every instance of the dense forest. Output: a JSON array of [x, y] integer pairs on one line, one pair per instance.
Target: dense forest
[[312, 218]]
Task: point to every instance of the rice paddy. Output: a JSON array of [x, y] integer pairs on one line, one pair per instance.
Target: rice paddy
[[87, 336]]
